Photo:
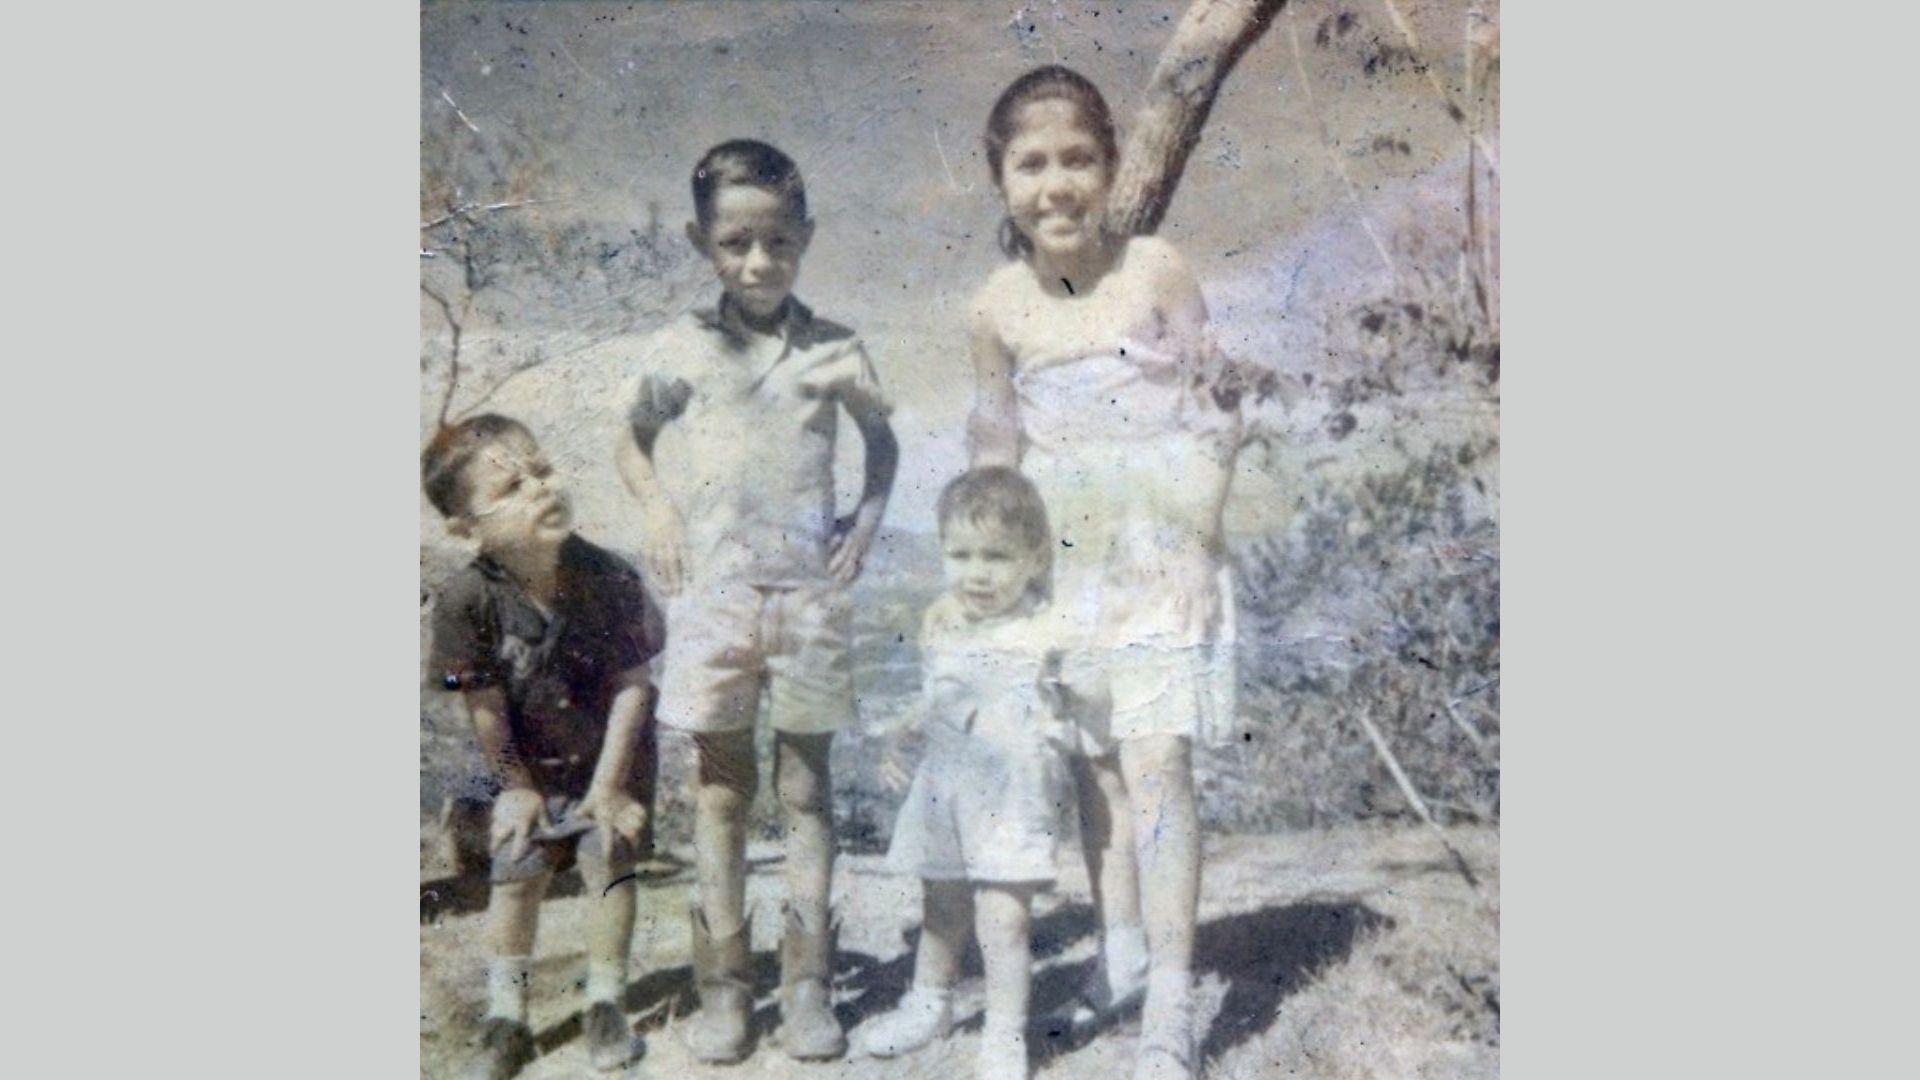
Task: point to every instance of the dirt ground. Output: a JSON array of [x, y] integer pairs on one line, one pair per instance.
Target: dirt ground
[[1351, 952]]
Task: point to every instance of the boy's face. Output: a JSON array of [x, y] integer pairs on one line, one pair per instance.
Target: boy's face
[[988, 568], [755, 244], [513, 501]]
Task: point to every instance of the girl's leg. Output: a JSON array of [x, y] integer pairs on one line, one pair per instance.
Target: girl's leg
[[926, 1012], [1159, 774], [1106, 830], [1003, 921], [801, 778], [721, 956]]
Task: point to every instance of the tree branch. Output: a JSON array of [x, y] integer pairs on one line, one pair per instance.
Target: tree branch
[[1209, 40]]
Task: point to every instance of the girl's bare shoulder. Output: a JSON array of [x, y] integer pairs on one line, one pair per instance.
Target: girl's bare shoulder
[[1155, 261], [1006, 289]]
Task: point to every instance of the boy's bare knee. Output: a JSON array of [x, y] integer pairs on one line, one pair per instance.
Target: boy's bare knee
[[522, 892], [723, 802], [802, 794], [801, 778], [1002, 916]]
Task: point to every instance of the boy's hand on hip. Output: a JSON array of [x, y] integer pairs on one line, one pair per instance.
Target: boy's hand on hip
[[663, 546], [850, 544], [516, 813], [613, 811]]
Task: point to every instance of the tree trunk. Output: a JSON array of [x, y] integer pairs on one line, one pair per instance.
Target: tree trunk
[[1205, 46]]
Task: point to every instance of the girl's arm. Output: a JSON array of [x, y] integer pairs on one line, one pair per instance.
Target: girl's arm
[[994, 428], [1176, 292]]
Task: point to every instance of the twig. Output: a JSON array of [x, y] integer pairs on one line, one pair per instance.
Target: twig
[[469, 209], [1419, 805], [453, 372], [1326, 139], [1454, 110], [448, 98], [1466, 727]]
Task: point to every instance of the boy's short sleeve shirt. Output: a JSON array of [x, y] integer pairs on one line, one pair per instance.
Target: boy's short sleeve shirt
[[560, 669], [747, 425]]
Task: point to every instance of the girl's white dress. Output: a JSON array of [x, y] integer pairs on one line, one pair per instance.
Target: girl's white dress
[[1133, 451], [992, 799]]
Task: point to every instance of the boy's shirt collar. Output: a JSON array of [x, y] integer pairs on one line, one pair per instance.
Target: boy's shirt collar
[[725, 317]]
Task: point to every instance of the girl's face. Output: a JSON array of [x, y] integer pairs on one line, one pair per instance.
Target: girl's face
[[1055, 177], [988, 569]]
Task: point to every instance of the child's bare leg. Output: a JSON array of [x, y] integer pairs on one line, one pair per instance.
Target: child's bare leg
[[1003, 921], [612, 890], [801, 778], [947, 921], [1159, 774], [727, 780], [513, 914], [1106, 827], [926, 1012], [721, 957]]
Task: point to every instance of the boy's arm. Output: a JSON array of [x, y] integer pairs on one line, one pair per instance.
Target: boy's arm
[[663, 541], [993, 431], [487, 708], [883, 461], [519, 809], [607, 801]]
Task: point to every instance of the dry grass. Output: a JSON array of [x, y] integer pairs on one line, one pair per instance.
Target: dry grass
[[1336, 953]]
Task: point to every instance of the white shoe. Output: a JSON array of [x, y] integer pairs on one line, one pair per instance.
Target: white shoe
[[922, 1016], [1167, 1050], [1003, 1057]]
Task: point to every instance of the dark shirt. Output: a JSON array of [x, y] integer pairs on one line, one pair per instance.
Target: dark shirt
[[560, 672]]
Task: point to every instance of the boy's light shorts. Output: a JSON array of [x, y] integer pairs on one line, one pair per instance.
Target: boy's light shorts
[[726, 643], [553, 850]]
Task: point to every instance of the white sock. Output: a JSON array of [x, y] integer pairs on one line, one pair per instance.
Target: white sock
[[605, 981], [507, 981], [1126, 955]]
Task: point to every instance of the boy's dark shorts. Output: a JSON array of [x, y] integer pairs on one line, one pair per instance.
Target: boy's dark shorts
[[554, 849]]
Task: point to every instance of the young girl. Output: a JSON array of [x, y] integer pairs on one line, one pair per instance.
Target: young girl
[[1098, 378], [988, 807]]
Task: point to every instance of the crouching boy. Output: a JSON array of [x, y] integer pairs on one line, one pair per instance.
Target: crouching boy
[[545, 636]]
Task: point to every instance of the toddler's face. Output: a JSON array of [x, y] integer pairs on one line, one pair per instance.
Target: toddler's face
[[513, 500], [988, 569], [755, 244], [1055, 178]]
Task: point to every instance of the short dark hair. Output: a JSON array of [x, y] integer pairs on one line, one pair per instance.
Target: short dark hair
[[443, 465], [751, 163], [999, 497]]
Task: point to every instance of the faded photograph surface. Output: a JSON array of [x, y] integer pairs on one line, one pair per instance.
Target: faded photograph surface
[[960, 539]]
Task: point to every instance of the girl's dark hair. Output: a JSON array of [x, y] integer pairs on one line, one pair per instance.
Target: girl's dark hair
[[1050, 83], [443, 465], [748, 162], [1001, 498]]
